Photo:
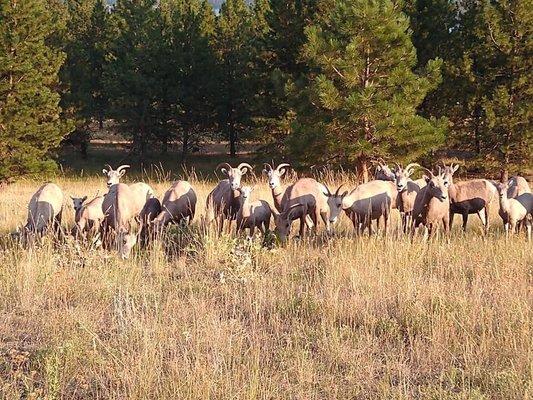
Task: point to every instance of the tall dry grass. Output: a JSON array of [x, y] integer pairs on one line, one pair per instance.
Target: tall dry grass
[[221, 318]]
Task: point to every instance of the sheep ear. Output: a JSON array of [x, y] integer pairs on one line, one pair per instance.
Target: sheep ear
[[455, 167], [72, 198], [265, 171], [224, 170], [122, 172], [344, 194], [83, 199], [104, 171], [426, 178]]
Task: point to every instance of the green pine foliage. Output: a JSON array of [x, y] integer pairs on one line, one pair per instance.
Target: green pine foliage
[[362, 95], [30, 123]]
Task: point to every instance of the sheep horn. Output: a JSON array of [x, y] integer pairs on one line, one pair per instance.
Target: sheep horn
[[430, 172], [282, 166], [338, 190], [397, 166], [223, 165], [267, 167], [411, 166], [122, 167], [245, 165], [109, 166]]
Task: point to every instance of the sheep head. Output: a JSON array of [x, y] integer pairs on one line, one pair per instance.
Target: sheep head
[[402, 175], [449, 170], [334, 202], [114, 175], [275, 174], [234, 174], [436, 184], [383, 171], [283, 221], [77, 202]]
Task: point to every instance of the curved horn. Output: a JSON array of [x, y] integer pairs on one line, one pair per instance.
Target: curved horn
[[338, 190], [267, 167], [410, 166], [430, 172], [245, 165], [397, 166], [223, 165], [109, 166], [282, 166], [122, 167]]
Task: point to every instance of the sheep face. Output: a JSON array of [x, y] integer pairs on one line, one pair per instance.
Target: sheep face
[[246, 193], [384, 173], [235, 174], [283, 222], [448, 173], [502, 190], [402, 177], [335, 201], [78, 202], [437, 187], [126, 243], [114, 175]]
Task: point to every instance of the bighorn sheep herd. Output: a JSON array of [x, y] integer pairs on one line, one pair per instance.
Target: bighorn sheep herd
[[130, 213]]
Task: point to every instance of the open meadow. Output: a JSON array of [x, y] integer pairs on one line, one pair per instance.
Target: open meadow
[[202, 317]]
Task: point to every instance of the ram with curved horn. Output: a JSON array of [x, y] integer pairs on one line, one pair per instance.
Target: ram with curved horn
[[223, 201], [114, 175]]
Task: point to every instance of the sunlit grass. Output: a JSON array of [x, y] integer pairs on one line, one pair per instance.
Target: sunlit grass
[[206, 317]]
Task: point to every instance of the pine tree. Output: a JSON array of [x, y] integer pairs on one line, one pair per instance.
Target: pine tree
[[30, 125], [190, 27], [136, 73], [85, 97], [236, 84], [363, 92], [507, 68]]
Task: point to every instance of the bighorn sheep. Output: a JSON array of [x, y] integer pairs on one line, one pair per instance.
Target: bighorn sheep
[[114, 175], [274, 182], [383, 172], [514, 211], [45, 209], [223, 201], [370, 201], [469, 197], [517, 186], [432, 205], [308, 197], [407, 191], [179, 203], [88, 215], [152, 208], [121, 205], [252, 214]]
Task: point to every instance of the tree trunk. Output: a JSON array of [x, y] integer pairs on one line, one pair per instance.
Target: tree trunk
[[185, 146], [363, 169], [232, 142]]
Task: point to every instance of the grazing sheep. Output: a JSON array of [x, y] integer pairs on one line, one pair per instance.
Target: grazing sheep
[[44, 210], [407, 191], [121, 206], [308, 197], [223, 201], [469, 197], [252, 214], [114, 175], [88, 215], [370, 201], [432, 205], [517, 186], [514, 211], [152, 208], [179, 203]]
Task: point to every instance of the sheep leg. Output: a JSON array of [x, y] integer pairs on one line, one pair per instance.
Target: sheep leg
[[452, 214], [325, 218], [482, 214], [465, 220], [302, 227], [252, 230]]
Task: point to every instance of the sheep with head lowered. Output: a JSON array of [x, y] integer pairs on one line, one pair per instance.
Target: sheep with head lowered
[[45, 211]]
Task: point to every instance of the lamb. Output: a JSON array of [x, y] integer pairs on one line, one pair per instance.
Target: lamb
[[121, 206], [432, 205], [114, 175], [517, 186], [88, 215], [407, 192], [308, 197], [370, 201], [44, 210], [179, 203], [252, 214], [514, 211], [469, 197], [223, 201]]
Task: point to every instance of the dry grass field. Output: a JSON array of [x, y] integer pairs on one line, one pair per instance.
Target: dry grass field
[[227, 318]]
